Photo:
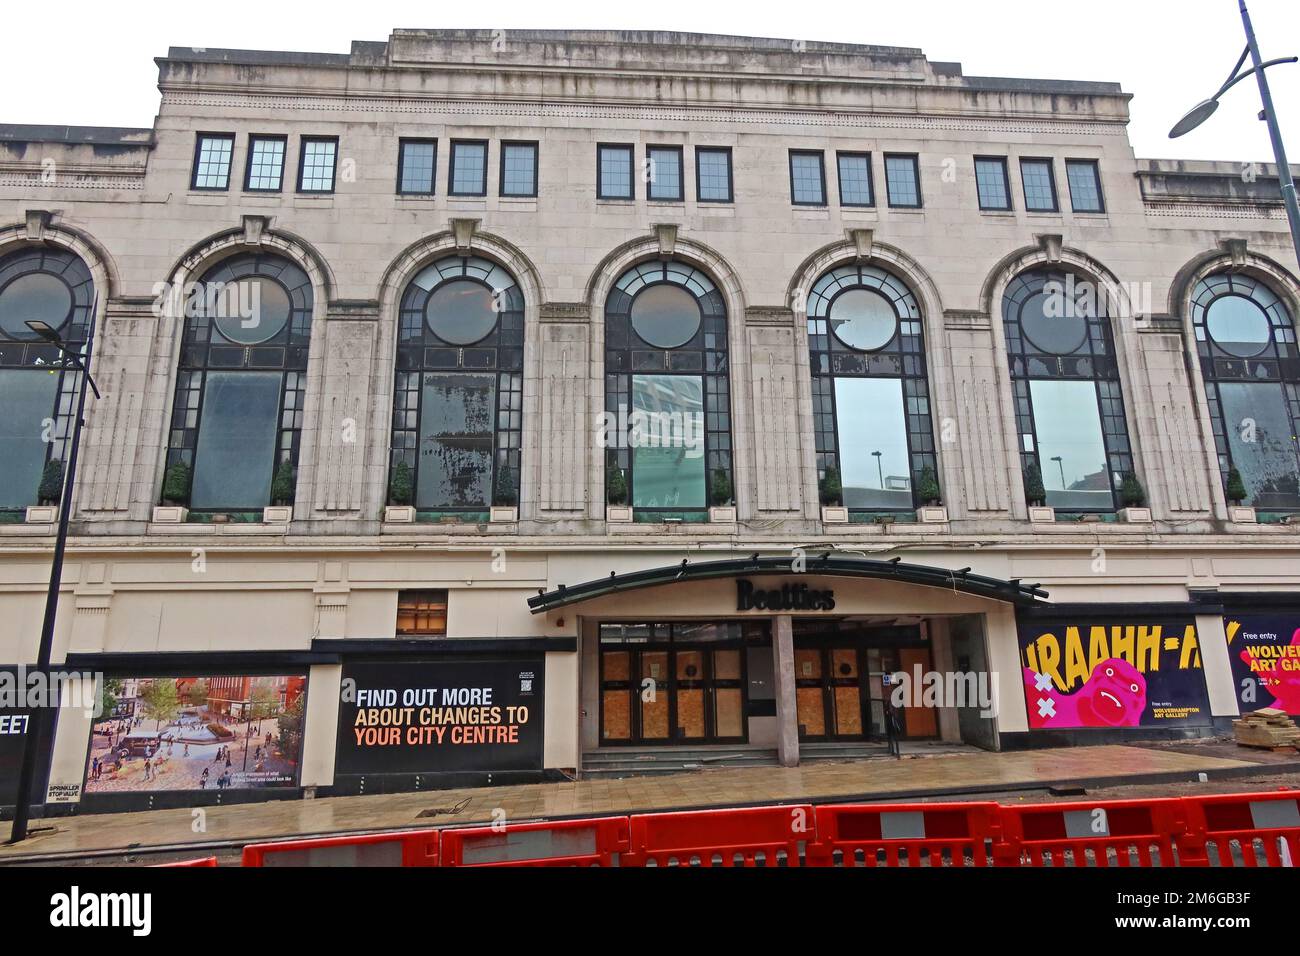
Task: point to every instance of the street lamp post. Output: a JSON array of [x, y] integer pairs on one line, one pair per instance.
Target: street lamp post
[[1061, 465], [1202, 111], [36, 725]]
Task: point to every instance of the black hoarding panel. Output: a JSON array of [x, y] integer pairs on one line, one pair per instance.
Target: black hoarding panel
[[441, 716]]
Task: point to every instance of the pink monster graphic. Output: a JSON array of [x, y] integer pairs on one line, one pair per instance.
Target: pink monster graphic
[[1115, 695], [1284, 685]]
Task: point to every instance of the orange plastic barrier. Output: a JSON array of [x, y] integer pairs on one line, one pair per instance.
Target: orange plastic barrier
[[905, 834], [1242, 829], [201, 861], [600, 842], [758, 836], [1101, 833], [407, 848]]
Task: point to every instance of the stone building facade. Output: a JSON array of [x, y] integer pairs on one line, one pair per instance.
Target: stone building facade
[[953, 199]]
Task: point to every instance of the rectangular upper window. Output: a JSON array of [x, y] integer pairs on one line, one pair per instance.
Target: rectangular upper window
[[664, 173], [992, 182], [518, 169], [421, 613], [807, 178], [1085, 185], [1040, 185], [614, 172], [417, 162], [713, 174], [855, 179], [316, 164], [212, 152], [265, 170], [903, 180], [468, 173]]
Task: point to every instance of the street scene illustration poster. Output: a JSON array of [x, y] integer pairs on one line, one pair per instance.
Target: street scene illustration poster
[[1112, 673], [227, 732]]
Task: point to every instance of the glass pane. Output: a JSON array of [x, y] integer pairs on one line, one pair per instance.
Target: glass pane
[[726, 665], [855, 180], [615, 172], [1260, 440], [237, 440], [469, 162], [1238, 326], [863, 319], [37, 297], [714, 175], [1085, 191], [668, 441], [248, 311], [654, 711], [730, 717], [1071, 451], [812, 715], [991, 181], [1040, 195], [806, 178], [848, 712], [616, 716], [875, 469], [461, 312], [690, 665], [900, 179], [318, 165], [665, 174], [266, 164], [1054, 323], [417, 167], [520, 170], [616, 665], [690, 714], [457, 424], [213, 166], [27, 397], [807, 664], [665, 315]]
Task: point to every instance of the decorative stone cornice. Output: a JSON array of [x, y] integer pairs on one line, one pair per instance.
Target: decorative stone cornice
[[1051, 244], [363, 310], [1236, 250], [665, 234], [463, 231], [254, 228], [38, 220], [565, 312], [966, 319], [768, 315], [862, 240]]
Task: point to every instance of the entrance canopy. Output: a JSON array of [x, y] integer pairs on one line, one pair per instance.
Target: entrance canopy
[[826, 565]]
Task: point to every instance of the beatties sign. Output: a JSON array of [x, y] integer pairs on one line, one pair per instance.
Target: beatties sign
[[790, 597]]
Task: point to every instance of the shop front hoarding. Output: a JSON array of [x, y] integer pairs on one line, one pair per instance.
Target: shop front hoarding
[[1265, 653], [1112, 672], [195, 734], [432, 717]]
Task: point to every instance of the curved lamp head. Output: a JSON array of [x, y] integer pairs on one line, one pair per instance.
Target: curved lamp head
[[44, 330], [1197, 115]]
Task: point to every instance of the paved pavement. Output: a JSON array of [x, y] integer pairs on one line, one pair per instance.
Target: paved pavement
[[877, 779]]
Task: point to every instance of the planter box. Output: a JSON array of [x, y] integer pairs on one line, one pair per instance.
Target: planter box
[[932, 514], [835, 514], [722, 514], [1241, 514], [618, 513], [277, 514], [170, 514], [399, 514], [42, 514], [503, 514], [1133, 515], [1041, 514]]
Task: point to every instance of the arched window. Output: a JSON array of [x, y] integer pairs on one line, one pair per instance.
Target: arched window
[[1065, 375], [1246, 341], [237, 414], [459, 389], [668, 453], [871, 399], [37, 389]]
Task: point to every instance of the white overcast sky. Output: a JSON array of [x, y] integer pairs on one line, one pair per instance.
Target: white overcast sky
[[90, 62]]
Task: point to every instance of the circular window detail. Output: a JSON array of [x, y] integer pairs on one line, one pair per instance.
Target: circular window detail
[[250, 311], [461, 312], [863, 320], [665, 316], [37, 297], [1053, 324], [1238, 326]]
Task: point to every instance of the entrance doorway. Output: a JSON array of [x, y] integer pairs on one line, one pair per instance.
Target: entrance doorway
[[672, 684], [840, 680]]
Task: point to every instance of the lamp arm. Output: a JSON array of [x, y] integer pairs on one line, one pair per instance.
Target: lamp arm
[[1251, 72]]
